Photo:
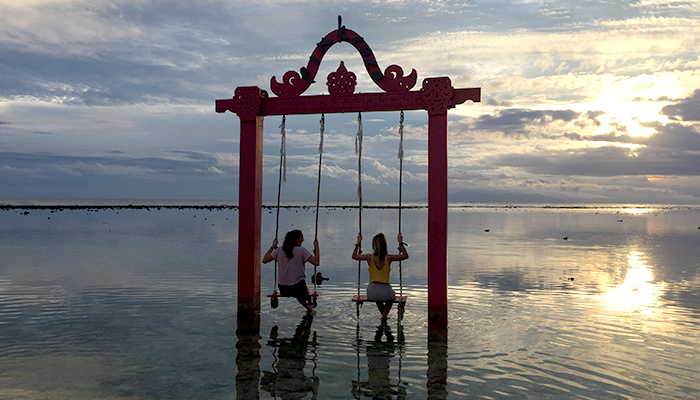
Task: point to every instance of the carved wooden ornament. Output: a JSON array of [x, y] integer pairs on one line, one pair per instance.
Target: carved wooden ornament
[[391, 80]]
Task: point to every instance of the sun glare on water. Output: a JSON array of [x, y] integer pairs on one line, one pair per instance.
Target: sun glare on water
[[638, 211], [638, 292]]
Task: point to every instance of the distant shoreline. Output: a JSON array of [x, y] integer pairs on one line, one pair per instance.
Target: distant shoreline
[[185, 207], [116, 204]]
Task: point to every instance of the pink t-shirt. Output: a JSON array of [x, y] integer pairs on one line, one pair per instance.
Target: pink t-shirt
[[291, 271]]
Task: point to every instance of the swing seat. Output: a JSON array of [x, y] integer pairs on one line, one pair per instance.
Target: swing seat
[[363, 298], [277, 294]]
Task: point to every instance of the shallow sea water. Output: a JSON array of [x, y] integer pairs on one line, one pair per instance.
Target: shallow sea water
[[141, 304]]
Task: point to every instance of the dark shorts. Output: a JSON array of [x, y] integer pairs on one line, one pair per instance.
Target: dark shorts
[[298, 290]]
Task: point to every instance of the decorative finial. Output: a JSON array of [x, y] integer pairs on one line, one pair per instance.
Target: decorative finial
[[341, 82], [341, 29]]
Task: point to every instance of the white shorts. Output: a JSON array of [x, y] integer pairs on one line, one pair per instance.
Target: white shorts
[[380, 292]]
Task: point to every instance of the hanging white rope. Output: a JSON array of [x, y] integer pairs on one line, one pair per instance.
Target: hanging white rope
[[322, 123], [283, 149], [400, 195], [283, 167], [358, 151], [323, 129], [401, 137]]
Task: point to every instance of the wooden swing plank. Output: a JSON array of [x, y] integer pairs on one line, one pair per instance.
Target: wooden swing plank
[[362, 298], [277, 294]]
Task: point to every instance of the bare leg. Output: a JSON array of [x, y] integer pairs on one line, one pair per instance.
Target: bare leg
[[384, 308], [307, 301], [387, 308], [380, 306], [304, 302]]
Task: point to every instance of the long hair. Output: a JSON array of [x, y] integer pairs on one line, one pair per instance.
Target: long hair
[[379, 246], [290, 241]]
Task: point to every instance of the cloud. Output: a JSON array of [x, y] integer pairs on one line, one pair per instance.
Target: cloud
[[528, 124], [227, 159], [687, 109], [216, 170], [674, 136], [8, 170], [386, 172], [523, 122], [606, 161], [53, 166], [63, 28]]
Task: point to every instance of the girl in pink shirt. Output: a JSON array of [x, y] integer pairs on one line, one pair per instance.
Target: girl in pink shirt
[[291, 259]]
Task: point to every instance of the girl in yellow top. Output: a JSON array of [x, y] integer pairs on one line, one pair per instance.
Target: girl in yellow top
[[379, 289]]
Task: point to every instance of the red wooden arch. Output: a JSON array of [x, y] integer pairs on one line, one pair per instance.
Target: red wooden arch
[[252, 104]]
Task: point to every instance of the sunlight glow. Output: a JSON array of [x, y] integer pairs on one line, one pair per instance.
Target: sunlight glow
[[637, 292], [623, 115], [636, 211]]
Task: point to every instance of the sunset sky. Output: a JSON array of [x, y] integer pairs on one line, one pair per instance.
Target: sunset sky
[[582, 101]]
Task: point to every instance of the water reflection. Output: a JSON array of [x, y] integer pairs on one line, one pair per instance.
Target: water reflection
[[287, 380], [379, 352], [638, 290], [141, 308], [248, 357], [437, 364]]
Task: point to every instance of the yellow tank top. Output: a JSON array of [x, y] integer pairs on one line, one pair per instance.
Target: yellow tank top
[[379, 275]]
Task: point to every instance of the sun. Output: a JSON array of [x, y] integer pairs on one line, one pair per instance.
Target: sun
[[624, 115]]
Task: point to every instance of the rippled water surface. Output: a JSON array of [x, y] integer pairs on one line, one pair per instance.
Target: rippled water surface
[[544, 303]]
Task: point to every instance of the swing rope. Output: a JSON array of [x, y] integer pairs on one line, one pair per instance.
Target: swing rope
[[322, 129], [400, 155], [358, 152], [282, 177]]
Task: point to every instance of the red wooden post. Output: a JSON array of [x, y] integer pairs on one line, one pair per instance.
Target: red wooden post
[[438, 93], [247, 105], [437, 218]]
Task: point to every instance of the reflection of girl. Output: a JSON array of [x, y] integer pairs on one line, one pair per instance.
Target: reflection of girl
[[287, 380], [291, 259], [379, 355], [379, 289]]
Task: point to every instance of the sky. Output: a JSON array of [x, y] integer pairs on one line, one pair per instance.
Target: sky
[[582, 101]]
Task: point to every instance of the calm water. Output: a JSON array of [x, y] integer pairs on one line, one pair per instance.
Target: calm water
[[141, 304]]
